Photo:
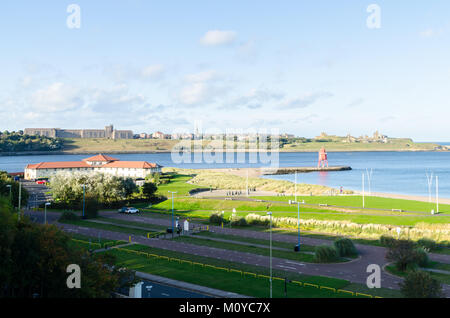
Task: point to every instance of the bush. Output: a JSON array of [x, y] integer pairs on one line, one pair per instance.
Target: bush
[[325, 254], [68, 216], [420, 257], [238, 221], [387, 241], [345, 247], [419, 284], [216, 218], [428, 244], [255, 219], [403, 254]]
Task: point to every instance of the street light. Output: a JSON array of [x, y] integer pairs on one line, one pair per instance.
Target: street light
[[270, 215], [9, 186], [45, 211], [297, 248], [84, 199], [172, 210]]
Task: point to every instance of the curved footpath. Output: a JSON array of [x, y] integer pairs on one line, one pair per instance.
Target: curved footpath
[[353, 271]]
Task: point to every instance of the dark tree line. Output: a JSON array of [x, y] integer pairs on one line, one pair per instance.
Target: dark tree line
[[17, 141]]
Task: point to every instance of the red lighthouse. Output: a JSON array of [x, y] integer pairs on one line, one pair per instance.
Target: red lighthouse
[[322, 158]]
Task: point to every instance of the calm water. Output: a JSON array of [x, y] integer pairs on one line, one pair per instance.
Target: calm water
[[394, 172]]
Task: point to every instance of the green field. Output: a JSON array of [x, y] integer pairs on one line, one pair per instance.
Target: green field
[[178, 183], [110, 227], [355, 201], [103, 145], [202, 208]]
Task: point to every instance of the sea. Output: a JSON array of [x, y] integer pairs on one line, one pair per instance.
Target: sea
[[408, 173]]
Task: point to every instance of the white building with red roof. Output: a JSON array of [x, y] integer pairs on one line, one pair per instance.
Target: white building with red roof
[[96, 164]]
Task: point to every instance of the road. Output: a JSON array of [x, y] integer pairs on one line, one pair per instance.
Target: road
[[354, 271]]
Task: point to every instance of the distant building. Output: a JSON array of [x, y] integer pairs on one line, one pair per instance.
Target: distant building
[[109, 132], [96, 164], [158, 135]]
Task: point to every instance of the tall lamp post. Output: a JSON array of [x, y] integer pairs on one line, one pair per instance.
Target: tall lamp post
[[297, 248], [270, 215], [84, 199], [9, 186], [45, 211], [172, 210]]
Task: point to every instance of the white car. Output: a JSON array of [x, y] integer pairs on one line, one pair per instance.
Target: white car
[[132, 210]]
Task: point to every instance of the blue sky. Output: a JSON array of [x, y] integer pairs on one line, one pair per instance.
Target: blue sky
[[300, 66]]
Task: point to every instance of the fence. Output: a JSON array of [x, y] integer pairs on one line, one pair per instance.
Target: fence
[[303, 284]]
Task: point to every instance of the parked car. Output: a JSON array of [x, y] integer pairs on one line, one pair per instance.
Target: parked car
[[123, 210], [41, 182], [129, 210], [132, 210]]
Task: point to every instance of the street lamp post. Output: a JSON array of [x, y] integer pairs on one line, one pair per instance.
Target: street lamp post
[[297, 248], [172, 210], [10, 198], [84, 199], [270, 215], [45, 211]]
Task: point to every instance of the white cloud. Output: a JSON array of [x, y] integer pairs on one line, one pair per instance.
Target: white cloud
[[56, 97], [153, 71], [200, 88], [305, 100], [217, 37]]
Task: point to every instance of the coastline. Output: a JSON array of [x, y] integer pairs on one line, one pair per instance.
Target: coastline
[[61, 153]]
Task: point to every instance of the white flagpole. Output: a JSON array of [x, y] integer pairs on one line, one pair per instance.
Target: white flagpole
[[295, 186], [363, 189], [437, 194]]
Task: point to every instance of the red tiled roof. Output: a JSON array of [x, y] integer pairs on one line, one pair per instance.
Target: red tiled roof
[[130, 164], [59, 165], [84, 164], [100, 157]]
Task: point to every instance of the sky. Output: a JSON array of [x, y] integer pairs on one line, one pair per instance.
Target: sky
[[302, 67]]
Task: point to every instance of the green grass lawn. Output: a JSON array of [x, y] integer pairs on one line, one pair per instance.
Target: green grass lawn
[[223, 280], [202, 208], [178, 183], [109, 227], [370, 202], [132, 223], [89, 242]]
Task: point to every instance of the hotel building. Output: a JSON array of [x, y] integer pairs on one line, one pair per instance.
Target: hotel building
[[97, 164]]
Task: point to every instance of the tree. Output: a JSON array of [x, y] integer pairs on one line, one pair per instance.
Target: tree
[[148, 190], [403, 254], [34, 259], [419, 284]]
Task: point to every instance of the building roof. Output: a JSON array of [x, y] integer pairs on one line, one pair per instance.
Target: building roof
[[109, 162], [130, 164], [100, 157], [59, 164]]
